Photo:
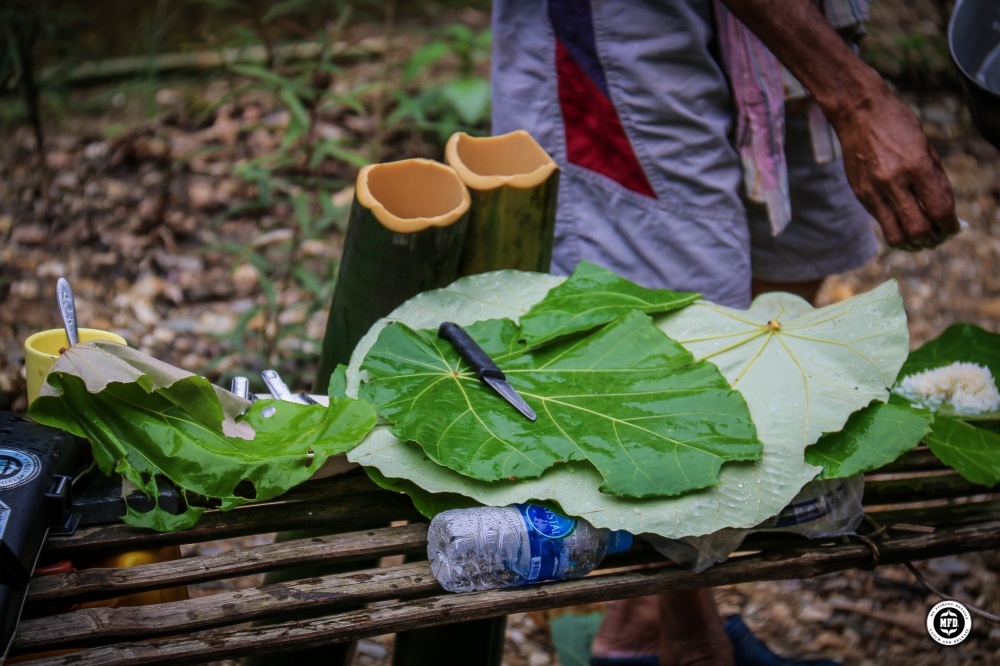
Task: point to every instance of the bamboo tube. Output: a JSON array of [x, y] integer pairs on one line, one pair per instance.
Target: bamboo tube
[[514, 184], [131, 66], [404, 236]]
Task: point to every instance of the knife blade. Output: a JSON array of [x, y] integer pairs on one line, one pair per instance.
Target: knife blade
[[486, 370]]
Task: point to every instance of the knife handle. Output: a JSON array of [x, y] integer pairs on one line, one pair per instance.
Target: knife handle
[[470, 351]]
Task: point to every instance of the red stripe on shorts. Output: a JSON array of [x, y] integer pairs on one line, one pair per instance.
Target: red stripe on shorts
[[595, 138]]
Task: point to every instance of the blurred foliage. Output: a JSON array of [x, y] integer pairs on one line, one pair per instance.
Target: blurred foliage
[[443, 106], [908, 43], [914, 60], [427, 83], [431, 93]]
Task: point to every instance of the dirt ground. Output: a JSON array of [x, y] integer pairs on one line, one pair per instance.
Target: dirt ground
[[137, 233]]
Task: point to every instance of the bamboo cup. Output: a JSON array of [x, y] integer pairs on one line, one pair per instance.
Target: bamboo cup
[[404, 236], [514, 186]]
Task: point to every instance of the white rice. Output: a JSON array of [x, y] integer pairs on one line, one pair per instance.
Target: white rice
[[969, 388]]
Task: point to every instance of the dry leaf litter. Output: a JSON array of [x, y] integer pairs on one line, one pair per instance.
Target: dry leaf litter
[[130, 224]]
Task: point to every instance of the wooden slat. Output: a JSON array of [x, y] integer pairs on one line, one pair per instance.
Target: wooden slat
[[910, 519], [91, 584], [319, 595], [953, 514], [205, 629], [920, 489], [336, 514], [447, 608]]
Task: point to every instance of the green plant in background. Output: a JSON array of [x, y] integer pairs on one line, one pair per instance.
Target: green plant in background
[[441, 106], [922, 56], [289, 64], [294, 184], [31, 31], [911, 47]]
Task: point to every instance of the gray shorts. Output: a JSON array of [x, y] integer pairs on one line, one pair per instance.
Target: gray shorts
[[694, 233], [830, 231]]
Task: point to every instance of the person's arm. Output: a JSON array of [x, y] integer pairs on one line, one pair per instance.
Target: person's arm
[[890, 164]]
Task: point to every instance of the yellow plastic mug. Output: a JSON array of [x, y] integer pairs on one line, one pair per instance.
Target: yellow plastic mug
[[42, 349]]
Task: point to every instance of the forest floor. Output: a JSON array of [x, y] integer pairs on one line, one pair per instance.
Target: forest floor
[[140, 218]]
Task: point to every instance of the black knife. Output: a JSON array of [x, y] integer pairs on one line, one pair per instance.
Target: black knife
[[483, 365]]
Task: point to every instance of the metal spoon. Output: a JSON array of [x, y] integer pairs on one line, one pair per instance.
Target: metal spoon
[[67, 308]]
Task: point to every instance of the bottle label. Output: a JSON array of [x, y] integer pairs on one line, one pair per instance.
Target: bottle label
[[547, 522], [546, 531]]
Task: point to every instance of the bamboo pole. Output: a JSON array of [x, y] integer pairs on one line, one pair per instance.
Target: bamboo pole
[[514, 185], [404, 236], [126, 66]]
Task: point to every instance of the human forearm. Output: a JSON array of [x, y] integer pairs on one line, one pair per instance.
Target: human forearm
[[890, 164], [800, 37]]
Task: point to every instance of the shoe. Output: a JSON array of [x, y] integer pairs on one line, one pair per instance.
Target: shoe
[[748, 650]]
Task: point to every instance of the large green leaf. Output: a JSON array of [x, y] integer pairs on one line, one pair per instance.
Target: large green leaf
[[973, 452], [625, 397], [495, 295], [427, 503], [748, 493], [871, 438], [146, 419], [592, 296], [824, 363]]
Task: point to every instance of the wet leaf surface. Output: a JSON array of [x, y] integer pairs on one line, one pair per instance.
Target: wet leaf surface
[[146, 419], [627, 399]]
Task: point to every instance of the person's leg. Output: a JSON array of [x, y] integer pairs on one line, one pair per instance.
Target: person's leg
[[691, 631], [679, 628], [630, 632]]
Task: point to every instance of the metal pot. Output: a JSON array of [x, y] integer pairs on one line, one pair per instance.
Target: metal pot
[[974, 42]]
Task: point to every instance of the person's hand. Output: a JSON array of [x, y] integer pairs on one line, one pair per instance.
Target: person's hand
[[897, 175]]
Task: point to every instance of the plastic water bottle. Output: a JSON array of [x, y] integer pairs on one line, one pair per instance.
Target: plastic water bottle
[[492, 547]]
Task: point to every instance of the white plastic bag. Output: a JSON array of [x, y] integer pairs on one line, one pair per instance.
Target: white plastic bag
[[831, 507]]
